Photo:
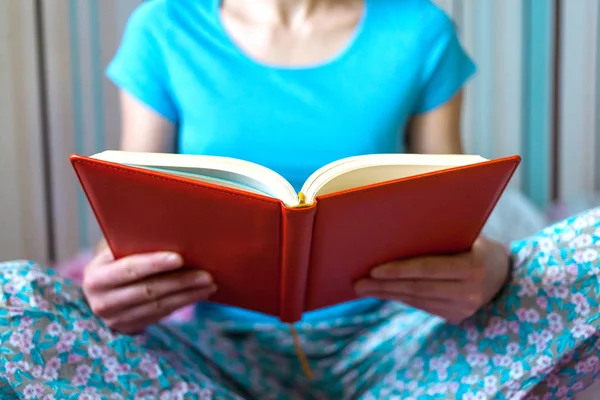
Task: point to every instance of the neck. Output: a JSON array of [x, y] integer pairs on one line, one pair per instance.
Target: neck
[[289, 13]]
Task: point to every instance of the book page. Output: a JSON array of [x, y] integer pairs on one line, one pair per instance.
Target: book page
[[228, 172], [366, 170]]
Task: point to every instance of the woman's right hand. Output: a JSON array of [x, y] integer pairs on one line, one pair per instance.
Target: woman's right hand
[[134, 292]]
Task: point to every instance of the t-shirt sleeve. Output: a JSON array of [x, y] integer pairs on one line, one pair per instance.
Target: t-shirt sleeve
[[447, 66], [139, 66]]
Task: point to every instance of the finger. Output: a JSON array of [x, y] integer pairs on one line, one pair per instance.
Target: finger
[[131, 319], [432, 306], [149, 290], [107, 275], [423, 289], [457, 267]]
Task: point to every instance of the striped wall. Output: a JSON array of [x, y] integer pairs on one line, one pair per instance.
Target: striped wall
[[536, 94], [81, 37]]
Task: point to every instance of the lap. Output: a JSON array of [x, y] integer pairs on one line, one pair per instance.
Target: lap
[[539, 336]]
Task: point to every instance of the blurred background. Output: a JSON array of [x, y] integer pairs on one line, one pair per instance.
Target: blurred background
[[537, 94]]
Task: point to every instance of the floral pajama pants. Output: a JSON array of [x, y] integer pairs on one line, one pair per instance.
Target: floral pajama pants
[[538, 340]]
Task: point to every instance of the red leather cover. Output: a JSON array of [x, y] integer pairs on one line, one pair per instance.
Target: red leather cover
[[439, 212], [295, 253], [267, 258], [235, 236]]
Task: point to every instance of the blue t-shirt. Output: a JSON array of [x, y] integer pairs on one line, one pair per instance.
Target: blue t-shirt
[[403, 59]]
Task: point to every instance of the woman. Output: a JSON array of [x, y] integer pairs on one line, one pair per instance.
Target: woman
[[293, 85]]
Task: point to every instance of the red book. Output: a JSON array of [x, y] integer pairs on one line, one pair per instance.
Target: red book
[[278, 252]]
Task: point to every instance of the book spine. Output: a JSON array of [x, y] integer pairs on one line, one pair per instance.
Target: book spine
[[297, 228]]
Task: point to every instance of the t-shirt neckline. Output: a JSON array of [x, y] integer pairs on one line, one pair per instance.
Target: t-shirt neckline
[[350, 46]]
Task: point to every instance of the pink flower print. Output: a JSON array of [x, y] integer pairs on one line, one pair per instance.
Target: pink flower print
[[496, 328], [181, 388], [521, 314], [10, 367], [37, 371], [516, 370], [552, 381], [148, 393], [581, 329], [110, 377], [528, 288], [470, 380], [123, 369], [26, 346], [593, 363], [567, 236], [559, 292], [577, 386], [74, 358], [15, 339], [543, 364], [96, 351], [581, 367], [514, 326], [474, 396], [9, 288], [572, 269], [48, 397], [546, 244], [417, 363], [439, 363], [582, 307], [83, 371], [512, 348], [111, 363], [80, 325], [442, 374], [450, 344], [471, 348], [63, 347], [86, 396], [581, 222], [150, 368], [80, 381], [562, 392], [541, 301], [585, 256], [553, 275], [502, 360], [54, 329], [555, 321], [472, 335], [531, 315], [477, 359], [33, 391], [583, 240], [68, 337], [24, 366], [53, 363], [50, 374], [490, 381]]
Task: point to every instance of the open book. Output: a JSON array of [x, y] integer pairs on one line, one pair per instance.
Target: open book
[[347, 173], [283, 253]]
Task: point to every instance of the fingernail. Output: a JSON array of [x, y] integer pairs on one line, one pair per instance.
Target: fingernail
[[378, 272], [172, 258], [363, 286], [203, 278]]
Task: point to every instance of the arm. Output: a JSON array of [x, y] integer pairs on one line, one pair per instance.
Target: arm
[[437, 131], [143, 129]]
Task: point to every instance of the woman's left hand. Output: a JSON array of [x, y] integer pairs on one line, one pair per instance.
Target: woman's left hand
[[453, 287]]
